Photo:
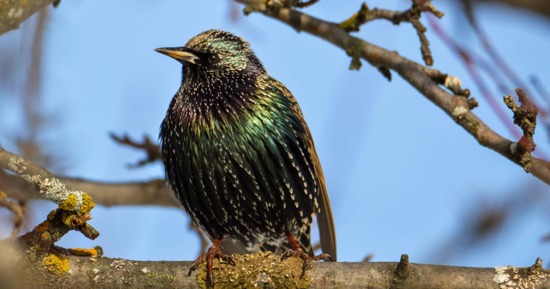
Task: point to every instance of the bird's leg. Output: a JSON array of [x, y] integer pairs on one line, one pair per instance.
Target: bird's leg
[[299, 252], [211, 253]]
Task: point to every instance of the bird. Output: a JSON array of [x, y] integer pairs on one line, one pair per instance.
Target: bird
[[239, 156]]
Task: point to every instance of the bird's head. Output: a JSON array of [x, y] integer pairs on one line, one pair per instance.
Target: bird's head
[[216, 51]]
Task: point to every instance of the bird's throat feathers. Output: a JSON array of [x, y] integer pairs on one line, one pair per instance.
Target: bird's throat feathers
[[211, 97]]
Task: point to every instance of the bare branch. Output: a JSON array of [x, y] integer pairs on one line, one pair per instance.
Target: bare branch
[[148, 193], [457, 107], [498, 61], [411, 15], [17, 208], [471, 62], [151, 149], [44, 182], [267, 271], [73, 206]]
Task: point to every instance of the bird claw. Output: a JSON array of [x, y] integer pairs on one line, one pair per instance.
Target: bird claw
[[196, 264], [306, 258], [211, 253], [228, 259]]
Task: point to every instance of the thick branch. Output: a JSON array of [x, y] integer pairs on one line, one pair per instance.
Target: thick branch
[[14, 12], [100, 272], [456, 107]]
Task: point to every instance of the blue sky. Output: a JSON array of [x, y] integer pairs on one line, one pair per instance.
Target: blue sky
[[402, 176]]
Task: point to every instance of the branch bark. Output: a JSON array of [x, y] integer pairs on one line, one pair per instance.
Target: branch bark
[[101, 272], [147, 193], [424, 79], [73, 206], [47, 186], [54, 267], [14, 12], [33, 261]]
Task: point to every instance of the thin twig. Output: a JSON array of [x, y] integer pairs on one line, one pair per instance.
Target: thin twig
[[149, 147], [411, 15], [469, 63], [525, 116], [18, 210], [499, 61]]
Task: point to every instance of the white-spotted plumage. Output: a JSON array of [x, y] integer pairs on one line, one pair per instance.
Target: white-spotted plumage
[[238, 154]]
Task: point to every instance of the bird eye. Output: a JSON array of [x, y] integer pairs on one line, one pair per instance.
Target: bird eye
[[214, 58]]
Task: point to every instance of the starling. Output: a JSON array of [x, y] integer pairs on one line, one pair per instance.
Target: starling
[[239, 156]]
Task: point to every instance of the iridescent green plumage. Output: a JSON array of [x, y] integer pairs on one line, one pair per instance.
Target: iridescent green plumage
[[238, 153]]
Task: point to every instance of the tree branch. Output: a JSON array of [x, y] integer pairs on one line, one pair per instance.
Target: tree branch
[[525, 116], [419, 76], [147, 193], [44, 182], [265, 270], [14, 12], [17, 207], [147, 145], [73, 206], [412, 15]]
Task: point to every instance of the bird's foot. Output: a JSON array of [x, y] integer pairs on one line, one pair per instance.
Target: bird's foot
[[306, 258], [298, 252], [211, 253]]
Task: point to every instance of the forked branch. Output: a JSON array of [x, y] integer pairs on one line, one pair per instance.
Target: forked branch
[[422, 78]]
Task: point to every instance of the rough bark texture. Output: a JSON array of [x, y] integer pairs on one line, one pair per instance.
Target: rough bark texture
[[45, 183], [148, 193], [260, 271]]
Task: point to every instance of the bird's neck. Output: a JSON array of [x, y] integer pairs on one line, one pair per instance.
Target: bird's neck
[[210, 96]]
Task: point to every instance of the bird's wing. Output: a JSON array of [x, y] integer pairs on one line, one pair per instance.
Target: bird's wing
[[325, 219], [290, 163]]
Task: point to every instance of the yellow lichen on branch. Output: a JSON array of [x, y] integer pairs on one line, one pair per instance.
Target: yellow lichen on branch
[[258, 270], [56, 264], [356, 20], [93, 252], [87, 204], [69, 203]]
